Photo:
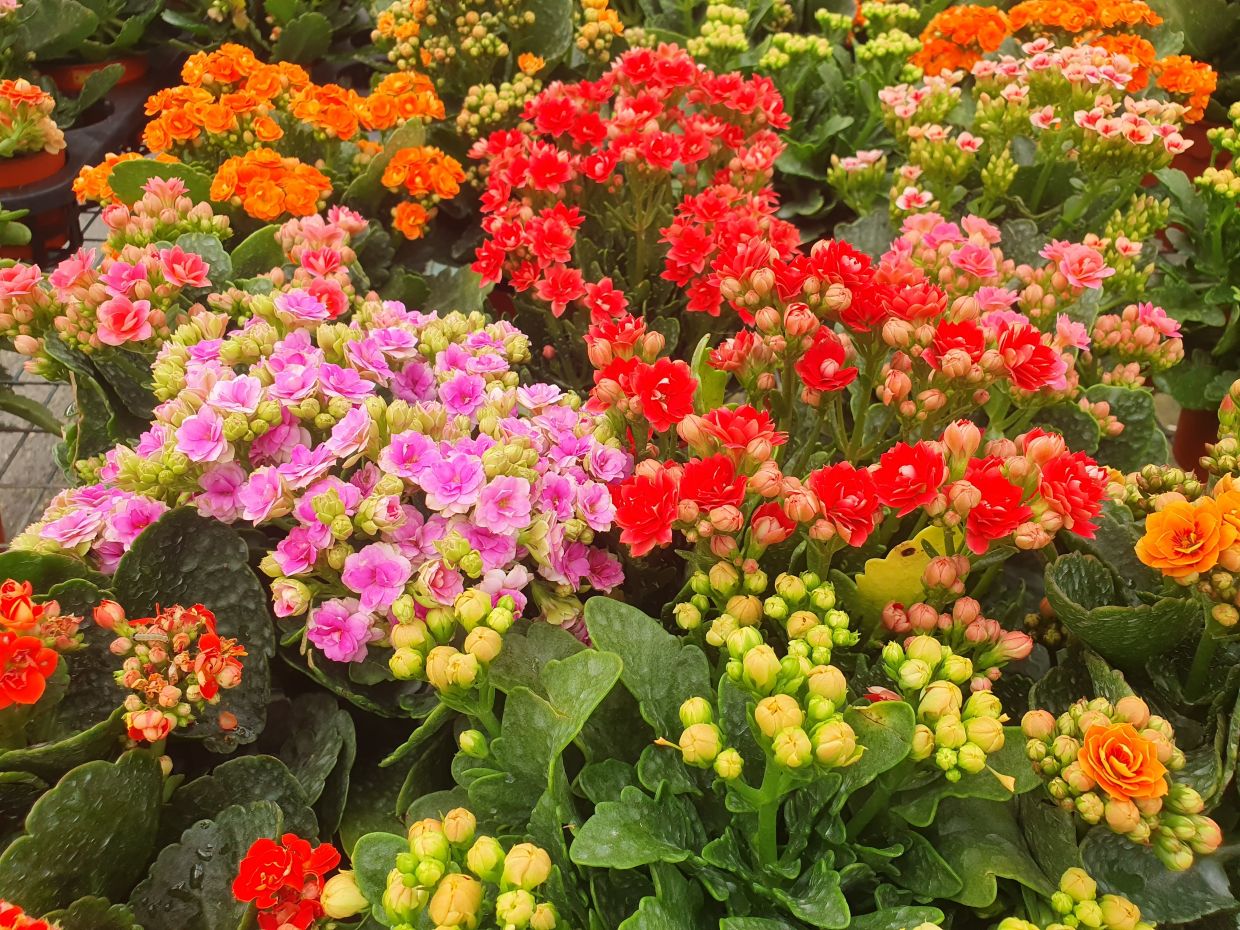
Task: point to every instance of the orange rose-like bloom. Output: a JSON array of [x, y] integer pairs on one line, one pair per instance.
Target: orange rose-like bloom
[[92, 182], [1182, 76], [18, 611], [1183, 539], [959, 35], [1123, 762], [410, 219]]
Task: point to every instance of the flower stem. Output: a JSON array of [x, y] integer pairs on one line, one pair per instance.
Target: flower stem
[[1202, 659], [770, 794]]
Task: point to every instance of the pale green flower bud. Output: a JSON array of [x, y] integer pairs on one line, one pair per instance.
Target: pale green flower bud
[[406, 664], [725, 580], [501, 619], [474, 744], [776, 608], [430, 844], [761, 668], [924, 648], [986, 733], [1119, 913], [828, 681], [459, 826], [486, 858], [728, 764], [695, 710], [402, 902], [823, 598], [913, 675], [514, 908], [957, 669], [1076, 883], [970, 758], [949, 732], [428, 872], [403, 609], [341, 898], [687, 616], [1089, 913], [983, 704], [740, 641], [790, 588]]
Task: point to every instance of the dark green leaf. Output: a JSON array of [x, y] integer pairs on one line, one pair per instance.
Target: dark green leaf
[[94, 914], [637, 830], [374, 857], [675, 905], [896, 918], [243, 780], [816, 898], [44, 570], [660, 670], [550, 35], [320, 752], [90, 835], [982, 842], [1142, 442], [51, 759], [885, 731], [190, 884], [257, 254], [30, 410], [304, 39]]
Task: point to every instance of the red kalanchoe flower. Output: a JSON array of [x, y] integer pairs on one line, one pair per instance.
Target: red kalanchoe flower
[[560, 286], [646, 506], [965, 336], [1029, 361], [869, 307], [25, 665], [13, 917], [908, 477], [822, 367], [1074, 486], [665, 390], [217, 664], [285, 881], [848, 499], [712, 482], [17, 609], [916, 302], [770, 525], [999, 509], [744, 430]]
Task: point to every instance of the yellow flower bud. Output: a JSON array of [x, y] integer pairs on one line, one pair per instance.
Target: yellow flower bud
[[544, 917], [485, 858], [776, 713], [514, 908], [792, 748], [526, 866], [484, 644], [459, 826], [986, 733], [835, 743], [341, 898], [700, 743], [1077, 883], [456, 901]]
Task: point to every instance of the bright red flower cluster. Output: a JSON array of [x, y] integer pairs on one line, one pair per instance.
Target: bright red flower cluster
[[285, 881], [25, 666], [654, 129], [13, 917]]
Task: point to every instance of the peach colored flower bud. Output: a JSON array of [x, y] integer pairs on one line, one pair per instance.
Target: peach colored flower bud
[[963, 497], [895, 618], [727, 519], [1030, 536], [1038, 724], [767, 320], [962, 439], [822, 530], [923, 618], [837, 297], [801, 504], [940, 572], [766, 381], [898, 333], [799, 320], [108, 614]]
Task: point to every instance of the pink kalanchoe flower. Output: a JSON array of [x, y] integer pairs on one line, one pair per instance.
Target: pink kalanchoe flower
[[200, 437], [991, 299], [351, 434], [463, 395], [408, 455], [237, 395], [974, 260], [74, 528], [1070, 334], [1084, 266], [341, 629], [262, 495], [120, 278], [75, 271], [504, 505], [1150, 315], [378, 574], [453, 483], [121, 320], [300, 306], [184, 269], [912, 199], [19, 280], [218, 499]]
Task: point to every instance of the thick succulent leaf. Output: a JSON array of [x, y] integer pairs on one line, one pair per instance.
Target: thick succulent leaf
[[243, 780], [90, 835]]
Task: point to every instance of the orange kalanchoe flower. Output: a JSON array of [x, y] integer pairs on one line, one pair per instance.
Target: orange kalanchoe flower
[[531, 64], [1123, 762], [267, 185], [1183, 76], [957, 37], [1140, 52], [1183, 539], [13, 917], [18, 611], [25, 666], [422, 170]]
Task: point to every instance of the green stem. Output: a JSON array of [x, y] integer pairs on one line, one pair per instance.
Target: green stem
[[1035, 200], [771, 796], [878, 800], [1202, 658], [987, 579]]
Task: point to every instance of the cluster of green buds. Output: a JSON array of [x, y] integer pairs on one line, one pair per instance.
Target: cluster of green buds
[[998, 173], [921, 660], [454, 879], [488, 107], [859, 179], [1114, 764], [786, 47], [1223, 457], [1219, 182], [796, 715], [890, 50], [880, 16], [954, 734], [722, 33], [428, 648], [1076, 904], [1141, 489], [804, 605], [836, 26]]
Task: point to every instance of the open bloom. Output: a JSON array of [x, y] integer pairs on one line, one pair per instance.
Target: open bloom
[[1123, 762], [1183, 539]]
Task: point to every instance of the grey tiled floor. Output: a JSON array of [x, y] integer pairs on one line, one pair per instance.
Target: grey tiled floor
[[28, 473]]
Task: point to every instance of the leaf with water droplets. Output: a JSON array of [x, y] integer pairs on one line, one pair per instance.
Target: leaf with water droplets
[[190, 884]]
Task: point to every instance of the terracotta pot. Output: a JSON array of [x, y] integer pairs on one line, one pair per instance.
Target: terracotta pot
[[1193, 431], [70, 79], [27, 169]]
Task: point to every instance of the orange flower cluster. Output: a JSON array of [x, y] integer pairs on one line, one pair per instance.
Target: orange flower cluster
[[426, 174], [1080, 16], [1195, 80], [1140, 52], [958, 36], [400, 96], [1184, 539], [93, 181], [26, 124], [267, 185]]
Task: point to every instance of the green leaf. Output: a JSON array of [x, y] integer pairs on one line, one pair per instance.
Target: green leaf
[[320, 752], [129, 177], [922, 803], [280, 10], [243, 780], [711, 381], [896, 918], [374, 857], [757, 923], [527, 650], [53, 28], [536, 730], [90, 835], [816, 898], [1082, 591], [1078, 428], [923, 871], [190, 884], [660, 670], [603, 781], [45, 569], [186, 559], [212, 251], [18, 792], [89, 435], [304, 39], [93, 914], [982, 842], [456, 289], [50, 760], [551, 33], [637, 830], [871, 233], [1124, 868], [128, 374], [258, 253], [1142, 442], [675, 905], [30, 410], [1050, 832], [885, 731]]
